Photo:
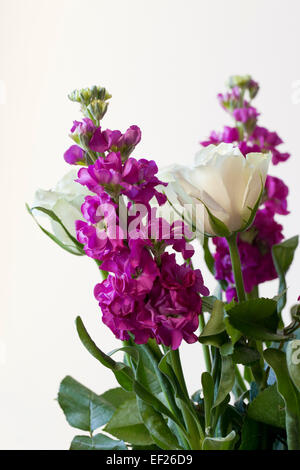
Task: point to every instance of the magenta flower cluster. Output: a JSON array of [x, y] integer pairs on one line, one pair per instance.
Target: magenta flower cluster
[[255, 245], [147, 293], [246, 134], [93, 139]]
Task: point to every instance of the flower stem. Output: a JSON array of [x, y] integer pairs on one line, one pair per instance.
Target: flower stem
[[236, 267], [257, 368], [205, 348], [194, 429]]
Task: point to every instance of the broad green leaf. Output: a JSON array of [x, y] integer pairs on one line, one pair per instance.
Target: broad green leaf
[[208, 392], [97, 442], [251, 435], [293, 361], [83, 408], [116, 396], [157, 427], [277, 360], [232, 332], [214, 331], [227, 380], [147, 368], [149, 374], [283, 255], [123, 373], [245, 355], [268, 407], [220, 443], [256, 318], [126, 424]]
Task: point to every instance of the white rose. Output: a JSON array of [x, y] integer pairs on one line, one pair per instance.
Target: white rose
[[65, 200], [223, 181]]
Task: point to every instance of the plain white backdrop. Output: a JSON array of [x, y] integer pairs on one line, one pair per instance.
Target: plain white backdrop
[[164, 62]]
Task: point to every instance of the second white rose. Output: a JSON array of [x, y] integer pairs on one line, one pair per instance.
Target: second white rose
[[224, 182]]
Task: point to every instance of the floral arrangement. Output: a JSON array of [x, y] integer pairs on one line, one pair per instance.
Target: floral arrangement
[[141, 229]]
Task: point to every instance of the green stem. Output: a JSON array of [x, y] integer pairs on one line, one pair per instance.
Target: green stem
[[236, 267], [257, 369], [194, 429], [254, 294], [205, 348], [152, 354]]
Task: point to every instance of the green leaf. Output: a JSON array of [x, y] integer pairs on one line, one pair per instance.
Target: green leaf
[[253, 210], [277, 360], [116, 396], [152, 400], [257, 318], [214, 331], [123, 373], [251, 435], [97, 442], [143, 358], [83, 408], [126, 424], [149, 374], [208, 303], [245, 355], [220, 443], [283, 255], [293, 361], [232, 332], [208, 392], [216, 224], [208, 257], [227, 380], [157, 427], [268, 407], [74, 250]]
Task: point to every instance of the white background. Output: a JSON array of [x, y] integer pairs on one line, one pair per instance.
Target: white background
[[163, 61]]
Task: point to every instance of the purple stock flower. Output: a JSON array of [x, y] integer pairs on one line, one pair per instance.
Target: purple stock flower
[[105, 171], [101, 234], [74, 155], [139, 181], [129, 140], [135, 178], [122, 310], [245, 114], [85, 127], [276, 195], [175, 303], [102, 141], [167, 310]]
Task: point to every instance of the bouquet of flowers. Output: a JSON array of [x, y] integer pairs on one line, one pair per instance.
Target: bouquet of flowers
[[141, 228]]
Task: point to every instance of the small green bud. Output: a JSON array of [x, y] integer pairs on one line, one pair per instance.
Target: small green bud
[[93, 101], [241, 81], [97, 108]]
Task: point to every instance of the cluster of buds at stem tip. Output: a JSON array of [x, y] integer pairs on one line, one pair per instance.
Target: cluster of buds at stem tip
[[244, 82], [94, 101]]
